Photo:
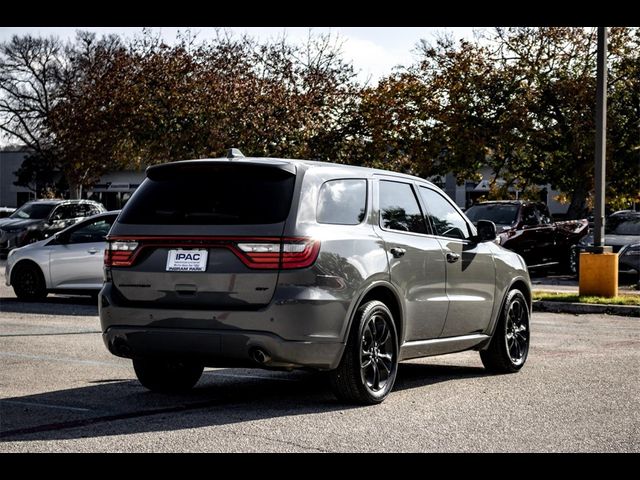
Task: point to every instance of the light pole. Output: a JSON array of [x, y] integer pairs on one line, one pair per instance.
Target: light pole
[[599, 267], [601, 141]]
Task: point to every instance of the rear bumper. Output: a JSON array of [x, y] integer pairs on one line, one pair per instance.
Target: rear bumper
[[221, 348], [304, 328]]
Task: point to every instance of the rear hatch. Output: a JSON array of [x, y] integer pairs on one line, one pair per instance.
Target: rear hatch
[[205, 234]]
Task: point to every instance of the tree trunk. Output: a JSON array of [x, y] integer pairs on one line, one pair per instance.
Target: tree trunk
[[578, 207], [75, 190]]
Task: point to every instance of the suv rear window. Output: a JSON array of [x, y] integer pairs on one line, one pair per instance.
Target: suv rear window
[[223, 194]]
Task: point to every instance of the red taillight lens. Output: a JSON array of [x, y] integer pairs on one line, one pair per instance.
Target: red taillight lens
[[299, 252], [120, 253], [260, 253], [290, 253]]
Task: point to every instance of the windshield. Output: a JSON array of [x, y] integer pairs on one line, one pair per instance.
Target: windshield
[[623, 226], [33, 211], [502, 214]]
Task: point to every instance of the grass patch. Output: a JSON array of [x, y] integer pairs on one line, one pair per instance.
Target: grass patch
[[572, 297]]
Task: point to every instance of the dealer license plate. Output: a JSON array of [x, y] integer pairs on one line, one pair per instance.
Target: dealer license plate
[[187, 260]]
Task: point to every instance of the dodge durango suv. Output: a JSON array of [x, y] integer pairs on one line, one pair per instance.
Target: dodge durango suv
[[284, 264]]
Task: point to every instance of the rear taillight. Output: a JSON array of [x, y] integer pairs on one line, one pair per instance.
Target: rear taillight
[[260, 253], [120, 253], [288, 254]]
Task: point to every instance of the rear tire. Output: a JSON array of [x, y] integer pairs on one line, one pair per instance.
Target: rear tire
[[509, 345], [28, 282], [167, 376], [369, 365]]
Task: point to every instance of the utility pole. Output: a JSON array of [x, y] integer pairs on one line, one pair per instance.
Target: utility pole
[[601, 140], [599, 266]]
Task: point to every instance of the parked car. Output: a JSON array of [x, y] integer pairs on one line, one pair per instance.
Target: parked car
[[69, 262], [40, 219], [6, 211], [527, 228], [287, 264], [622, 234]]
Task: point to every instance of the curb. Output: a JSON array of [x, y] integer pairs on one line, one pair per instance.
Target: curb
[[568, 307]]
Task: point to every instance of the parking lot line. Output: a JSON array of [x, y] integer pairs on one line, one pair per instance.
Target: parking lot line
[[45, 334], [58, 359], [44, 405]]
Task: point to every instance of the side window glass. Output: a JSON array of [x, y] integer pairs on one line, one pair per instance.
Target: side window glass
[[342, 202], [92, 232], [446, 220], [529, 216], [399, 209]]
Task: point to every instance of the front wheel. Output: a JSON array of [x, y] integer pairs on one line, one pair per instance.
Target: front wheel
[[167, 376], [509, 345], [368, 368], [28, 282]]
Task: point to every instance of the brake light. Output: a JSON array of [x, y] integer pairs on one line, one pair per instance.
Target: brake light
[[120, 253], [256, 252], [290, 253]]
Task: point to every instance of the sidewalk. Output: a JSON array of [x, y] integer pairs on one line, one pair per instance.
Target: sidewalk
[[566, 284]]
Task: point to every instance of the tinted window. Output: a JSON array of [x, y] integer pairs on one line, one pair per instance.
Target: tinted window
[[530, 215], [91, 232], [501, 214], [64, 212], [342, 202], [223, 194], [399, 209], [444, 217], [623, 226], [35, 211]]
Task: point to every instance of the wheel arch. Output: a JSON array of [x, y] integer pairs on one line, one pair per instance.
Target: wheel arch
[[517, 283], [387, 294]]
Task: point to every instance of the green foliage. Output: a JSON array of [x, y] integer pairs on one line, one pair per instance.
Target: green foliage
[[519, 100]]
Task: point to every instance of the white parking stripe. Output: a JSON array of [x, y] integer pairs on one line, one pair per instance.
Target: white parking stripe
[[44, 405], [58, 359]]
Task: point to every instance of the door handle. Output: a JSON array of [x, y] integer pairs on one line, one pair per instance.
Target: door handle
[[397, 252], [452, 257], [92, 251]]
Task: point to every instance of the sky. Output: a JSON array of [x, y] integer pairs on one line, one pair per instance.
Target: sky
[[373, 51]]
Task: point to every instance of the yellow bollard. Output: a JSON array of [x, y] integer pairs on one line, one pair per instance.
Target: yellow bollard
[[598, 274]]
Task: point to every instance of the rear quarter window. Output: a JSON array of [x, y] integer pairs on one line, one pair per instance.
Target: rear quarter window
[[342, 202]]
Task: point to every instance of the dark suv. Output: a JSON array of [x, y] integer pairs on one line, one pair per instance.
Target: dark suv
[[289, 263], [39, 219]]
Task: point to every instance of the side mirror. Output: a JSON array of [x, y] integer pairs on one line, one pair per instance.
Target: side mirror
[[486, 231]]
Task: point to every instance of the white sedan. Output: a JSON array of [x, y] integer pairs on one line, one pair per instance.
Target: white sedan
[[69, 262]]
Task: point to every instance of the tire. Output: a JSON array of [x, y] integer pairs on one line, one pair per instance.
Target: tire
[[509, 346], [369, 365], [28, 282], [167, 376]]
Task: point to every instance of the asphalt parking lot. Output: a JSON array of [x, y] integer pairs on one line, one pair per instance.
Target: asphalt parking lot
[[61, 391]]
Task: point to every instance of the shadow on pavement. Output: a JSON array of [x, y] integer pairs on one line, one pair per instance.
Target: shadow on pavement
[[52, 305], [227, 396]]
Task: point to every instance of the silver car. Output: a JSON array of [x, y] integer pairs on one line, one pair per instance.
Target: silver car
[[69, 262], [285, 264]]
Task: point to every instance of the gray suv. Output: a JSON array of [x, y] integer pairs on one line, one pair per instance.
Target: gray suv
[[287, 264]]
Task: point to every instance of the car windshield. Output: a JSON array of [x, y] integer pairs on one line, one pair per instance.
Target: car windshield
[[623, 226], [502, 214], [33, 211]]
